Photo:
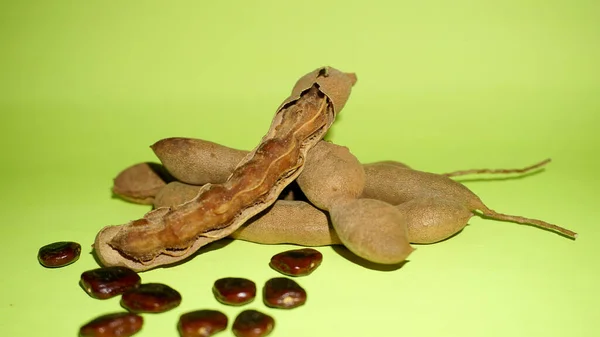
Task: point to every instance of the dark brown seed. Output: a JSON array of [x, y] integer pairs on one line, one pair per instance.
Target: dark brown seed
[[283, 293], [151, 297], [103, 283], [297, 262], [234, 290], [201, 323], [59, 254], [122, 324], [252, 323]]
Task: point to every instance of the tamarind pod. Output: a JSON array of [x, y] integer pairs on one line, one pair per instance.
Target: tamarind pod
[[197, 162], [430, 220], [289, 222], [139, 183], [331, 172], [397, 185], [168, 235]]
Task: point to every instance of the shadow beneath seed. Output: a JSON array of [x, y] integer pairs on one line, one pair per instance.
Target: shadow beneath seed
[[348, 255], [503, 178]]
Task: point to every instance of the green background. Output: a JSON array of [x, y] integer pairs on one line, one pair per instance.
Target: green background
[[87, 86]]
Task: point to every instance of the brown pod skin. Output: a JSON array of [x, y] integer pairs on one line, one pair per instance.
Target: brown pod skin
[[288, 221], [181, 156], [59, 254], [107, 282], [140, 183], [121, 324], [396, 185], [372, 229], [331, 172], [252, 323], [297, 262], [431, 220], [151, 298], [201, 323], [175, 193], [283, 293], [234, 290]]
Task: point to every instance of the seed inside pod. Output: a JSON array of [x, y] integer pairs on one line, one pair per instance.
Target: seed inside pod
[[234, 290], [252, 323], [59, 254], [107, 282], [283, 293], [297, 262], [201, 323], [151, 298], [122, 324]]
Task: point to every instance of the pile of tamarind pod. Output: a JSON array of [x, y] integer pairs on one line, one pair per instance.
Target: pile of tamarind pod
[[433, 207], [293, 187]]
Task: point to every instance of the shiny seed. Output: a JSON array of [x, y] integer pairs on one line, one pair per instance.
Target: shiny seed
[[103, 283], [297, 262], [283, 293], [234, 290], [252, 323], [122, 324], [201, 323], [151, 297], [59, 254]]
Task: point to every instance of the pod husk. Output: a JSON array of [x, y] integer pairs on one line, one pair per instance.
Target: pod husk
[[113, 244]]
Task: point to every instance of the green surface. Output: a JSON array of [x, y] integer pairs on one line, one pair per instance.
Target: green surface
[[87, 86]]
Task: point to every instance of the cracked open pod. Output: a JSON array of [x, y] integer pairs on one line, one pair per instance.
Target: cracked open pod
[[171, 234]]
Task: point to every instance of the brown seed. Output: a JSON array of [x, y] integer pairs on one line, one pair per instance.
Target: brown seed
[[252, 323], [201, 323], [59, 254], [234, 290], [103, 283], [151, 297], [283, 293], [122, 324], [297, 262]]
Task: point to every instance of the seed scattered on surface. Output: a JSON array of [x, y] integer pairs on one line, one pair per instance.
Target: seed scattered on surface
[[122, 324], [297, 262], [59, 254], [201, 323], [234, 290], [252, 323], [283, 293], [107, 282], [151, 298]]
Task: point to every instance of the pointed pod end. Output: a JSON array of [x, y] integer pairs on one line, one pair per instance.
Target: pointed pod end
[[352, 78]]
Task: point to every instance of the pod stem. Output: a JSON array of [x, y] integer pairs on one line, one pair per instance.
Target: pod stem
[[497, 171], [527, 221]]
